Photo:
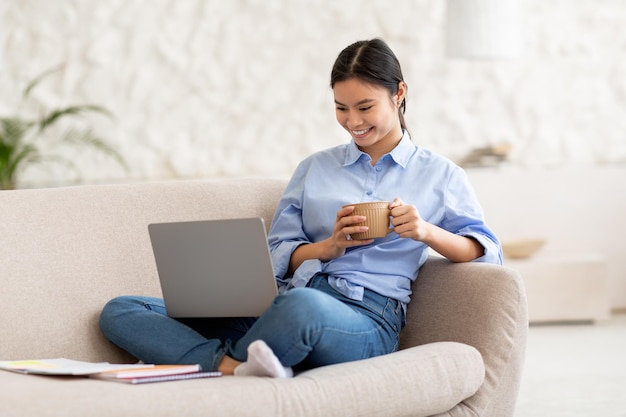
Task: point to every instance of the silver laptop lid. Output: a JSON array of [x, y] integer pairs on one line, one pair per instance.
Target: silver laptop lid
[[214, 268]]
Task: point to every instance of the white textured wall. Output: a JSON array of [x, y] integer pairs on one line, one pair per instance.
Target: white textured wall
[[240, 88]]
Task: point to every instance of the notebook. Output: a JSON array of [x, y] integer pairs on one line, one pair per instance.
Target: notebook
[[214, 268]]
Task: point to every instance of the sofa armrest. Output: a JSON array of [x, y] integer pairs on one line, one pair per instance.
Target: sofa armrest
[[420, 381], [481, 305]]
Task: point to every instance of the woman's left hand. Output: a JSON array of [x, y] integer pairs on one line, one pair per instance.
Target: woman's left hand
[[407, 221]]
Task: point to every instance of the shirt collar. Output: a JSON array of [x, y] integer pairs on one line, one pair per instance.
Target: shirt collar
[[400, 154]]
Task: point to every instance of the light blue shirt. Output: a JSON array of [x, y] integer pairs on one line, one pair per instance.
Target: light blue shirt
[[327, 180]]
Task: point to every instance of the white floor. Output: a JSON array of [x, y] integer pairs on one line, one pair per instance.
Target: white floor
[[575, 370]]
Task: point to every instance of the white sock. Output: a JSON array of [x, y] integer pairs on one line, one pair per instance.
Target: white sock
[[262, 362]]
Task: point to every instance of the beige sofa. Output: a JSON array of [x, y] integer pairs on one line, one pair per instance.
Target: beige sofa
[[65, 251]]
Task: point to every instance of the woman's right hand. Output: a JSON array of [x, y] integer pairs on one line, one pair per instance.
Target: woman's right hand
[[345, 225], [334, 246]]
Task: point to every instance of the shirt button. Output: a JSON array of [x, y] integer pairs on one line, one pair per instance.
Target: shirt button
[[369, 193], [378, 169]]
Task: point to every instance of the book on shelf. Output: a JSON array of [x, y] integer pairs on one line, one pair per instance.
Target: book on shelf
[[134, 374]]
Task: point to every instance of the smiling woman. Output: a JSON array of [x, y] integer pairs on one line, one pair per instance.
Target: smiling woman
[[368, 113], [357, 289], [369, 89]]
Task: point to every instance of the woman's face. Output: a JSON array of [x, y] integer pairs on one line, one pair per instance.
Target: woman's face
[[369, 114]]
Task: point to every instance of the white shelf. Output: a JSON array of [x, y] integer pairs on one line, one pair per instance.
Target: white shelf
[[571, 287]]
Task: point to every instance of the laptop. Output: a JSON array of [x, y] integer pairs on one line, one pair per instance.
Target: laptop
[[214, 268]]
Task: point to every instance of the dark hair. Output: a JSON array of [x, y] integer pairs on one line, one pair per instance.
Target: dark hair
[[373, 62]]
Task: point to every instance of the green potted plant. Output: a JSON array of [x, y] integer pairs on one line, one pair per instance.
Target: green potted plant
[[21, 138]]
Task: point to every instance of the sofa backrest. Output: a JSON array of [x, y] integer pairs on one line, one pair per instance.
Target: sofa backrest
[[64, 252]]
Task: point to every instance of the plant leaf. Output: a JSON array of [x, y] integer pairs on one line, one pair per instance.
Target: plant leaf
[[12, 159], [13, 149], [71, 111], [13, 130], [31, 85], [86, 137]]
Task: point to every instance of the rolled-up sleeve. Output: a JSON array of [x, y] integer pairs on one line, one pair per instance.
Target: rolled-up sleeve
[[493, 251], [287, 232], [281, 255], [464, 216]]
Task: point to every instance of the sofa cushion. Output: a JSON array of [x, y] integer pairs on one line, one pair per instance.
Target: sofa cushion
[[419, 381]]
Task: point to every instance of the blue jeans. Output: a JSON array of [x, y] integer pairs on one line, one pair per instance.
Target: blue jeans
[[305, 327]]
